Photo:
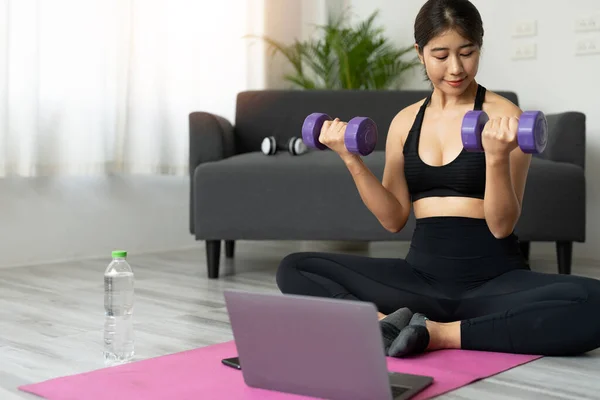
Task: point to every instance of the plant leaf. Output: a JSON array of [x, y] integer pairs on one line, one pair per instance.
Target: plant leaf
[[346, 57]]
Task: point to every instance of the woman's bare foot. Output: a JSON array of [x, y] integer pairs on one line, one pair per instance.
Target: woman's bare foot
[[443, 335], [380, 316]]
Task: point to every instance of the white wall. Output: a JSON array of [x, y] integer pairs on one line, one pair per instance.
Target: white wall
[[54, 219], [51, 219], [556, 80], [282, 21]]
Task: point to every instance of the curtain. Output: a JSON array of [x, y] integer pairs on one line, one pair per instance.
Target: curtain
[[106, 86]]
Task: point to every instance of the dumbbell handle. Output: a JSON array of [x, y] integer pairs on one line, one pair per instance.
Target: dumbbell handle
[[293, 145], [532, 133], [360, 136]]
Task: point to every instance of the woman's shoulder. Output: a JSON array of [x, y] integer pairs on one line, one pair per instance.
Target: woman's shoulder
[[404, 119], [410, 111], [496, 105]]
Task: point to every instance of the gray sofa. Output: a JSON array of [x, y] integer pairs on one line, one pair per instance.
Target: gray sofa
[[238, 193]]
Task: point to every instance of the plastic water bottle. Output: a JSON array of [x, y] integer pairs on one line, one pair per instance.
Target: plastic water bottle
[[119, 339]]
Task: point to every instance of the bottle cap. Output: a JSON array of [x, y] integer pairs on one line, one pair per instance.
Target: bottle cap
[[119, 254]]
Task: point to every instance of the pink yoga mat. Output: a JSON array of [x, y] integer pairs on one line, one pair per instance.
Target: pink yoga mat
[[199, 374]]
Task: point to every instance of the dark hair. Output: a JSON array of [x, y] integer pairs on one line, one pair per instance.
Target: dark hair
[[437, 16]]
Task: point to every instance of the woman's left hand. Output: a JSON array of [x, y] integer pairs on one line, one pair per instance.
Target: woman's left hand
[[499, 136]]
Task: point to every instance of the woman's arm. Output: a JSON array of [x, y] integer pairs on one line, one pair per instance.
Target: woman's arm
[[388, 200], [504, 190], [506, 173]]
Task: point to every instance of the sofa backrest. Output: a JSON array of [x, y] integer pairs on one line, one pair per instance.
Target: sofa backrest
[[281, 113]]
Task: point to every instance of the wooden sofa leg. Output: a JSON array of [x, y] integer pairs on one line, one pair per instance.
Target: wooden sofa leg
[[564, 253], [213, 253], [229, 248]]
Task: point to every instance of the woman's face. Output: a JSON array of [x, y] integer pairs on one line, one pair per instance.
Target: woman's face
[[451, 62]]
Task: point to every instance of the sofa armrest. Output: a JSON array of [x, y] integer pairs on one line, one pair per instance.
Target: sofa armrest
[[566, 138], [211, 139]]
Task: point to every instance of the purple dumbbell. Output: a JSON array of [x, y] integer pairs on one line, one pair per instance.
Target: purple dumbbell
[[532, 133], [360, 136]]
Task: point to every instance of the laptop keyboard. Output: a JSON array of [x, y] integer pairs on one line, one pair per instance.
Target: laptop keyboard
[[398, 390]]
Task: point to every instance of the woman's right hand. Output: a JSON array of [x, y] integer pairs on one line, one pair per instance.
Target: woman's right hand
[[332, 136]]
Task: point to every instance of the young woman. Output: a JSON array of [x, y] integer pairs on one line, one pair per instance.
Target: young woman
[[464, 283]]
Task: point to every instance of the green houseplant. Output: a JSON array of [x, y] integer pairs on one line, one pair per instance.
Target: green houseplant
[[345, 57]]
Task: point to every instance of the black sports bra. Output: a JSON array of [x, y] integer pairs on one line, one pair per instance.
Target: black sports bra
[[464, 176]]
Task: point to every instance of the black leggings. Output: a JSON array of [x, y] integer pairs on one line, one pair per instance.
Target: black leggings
[[456, 270]]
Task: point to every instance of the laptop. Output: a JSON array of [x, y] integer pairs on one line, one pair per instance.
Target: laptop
[[314, 346]]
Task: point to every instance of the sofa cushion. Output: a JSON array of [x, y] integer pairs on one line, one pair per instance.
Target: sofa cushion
[[307, 197], [284, 197], [554, 202]]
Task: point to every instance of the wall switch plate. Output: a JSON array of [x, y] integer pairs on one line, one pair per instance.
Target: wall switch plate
[[587, 23], [586, 47], [525, 28], [527, 51]]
